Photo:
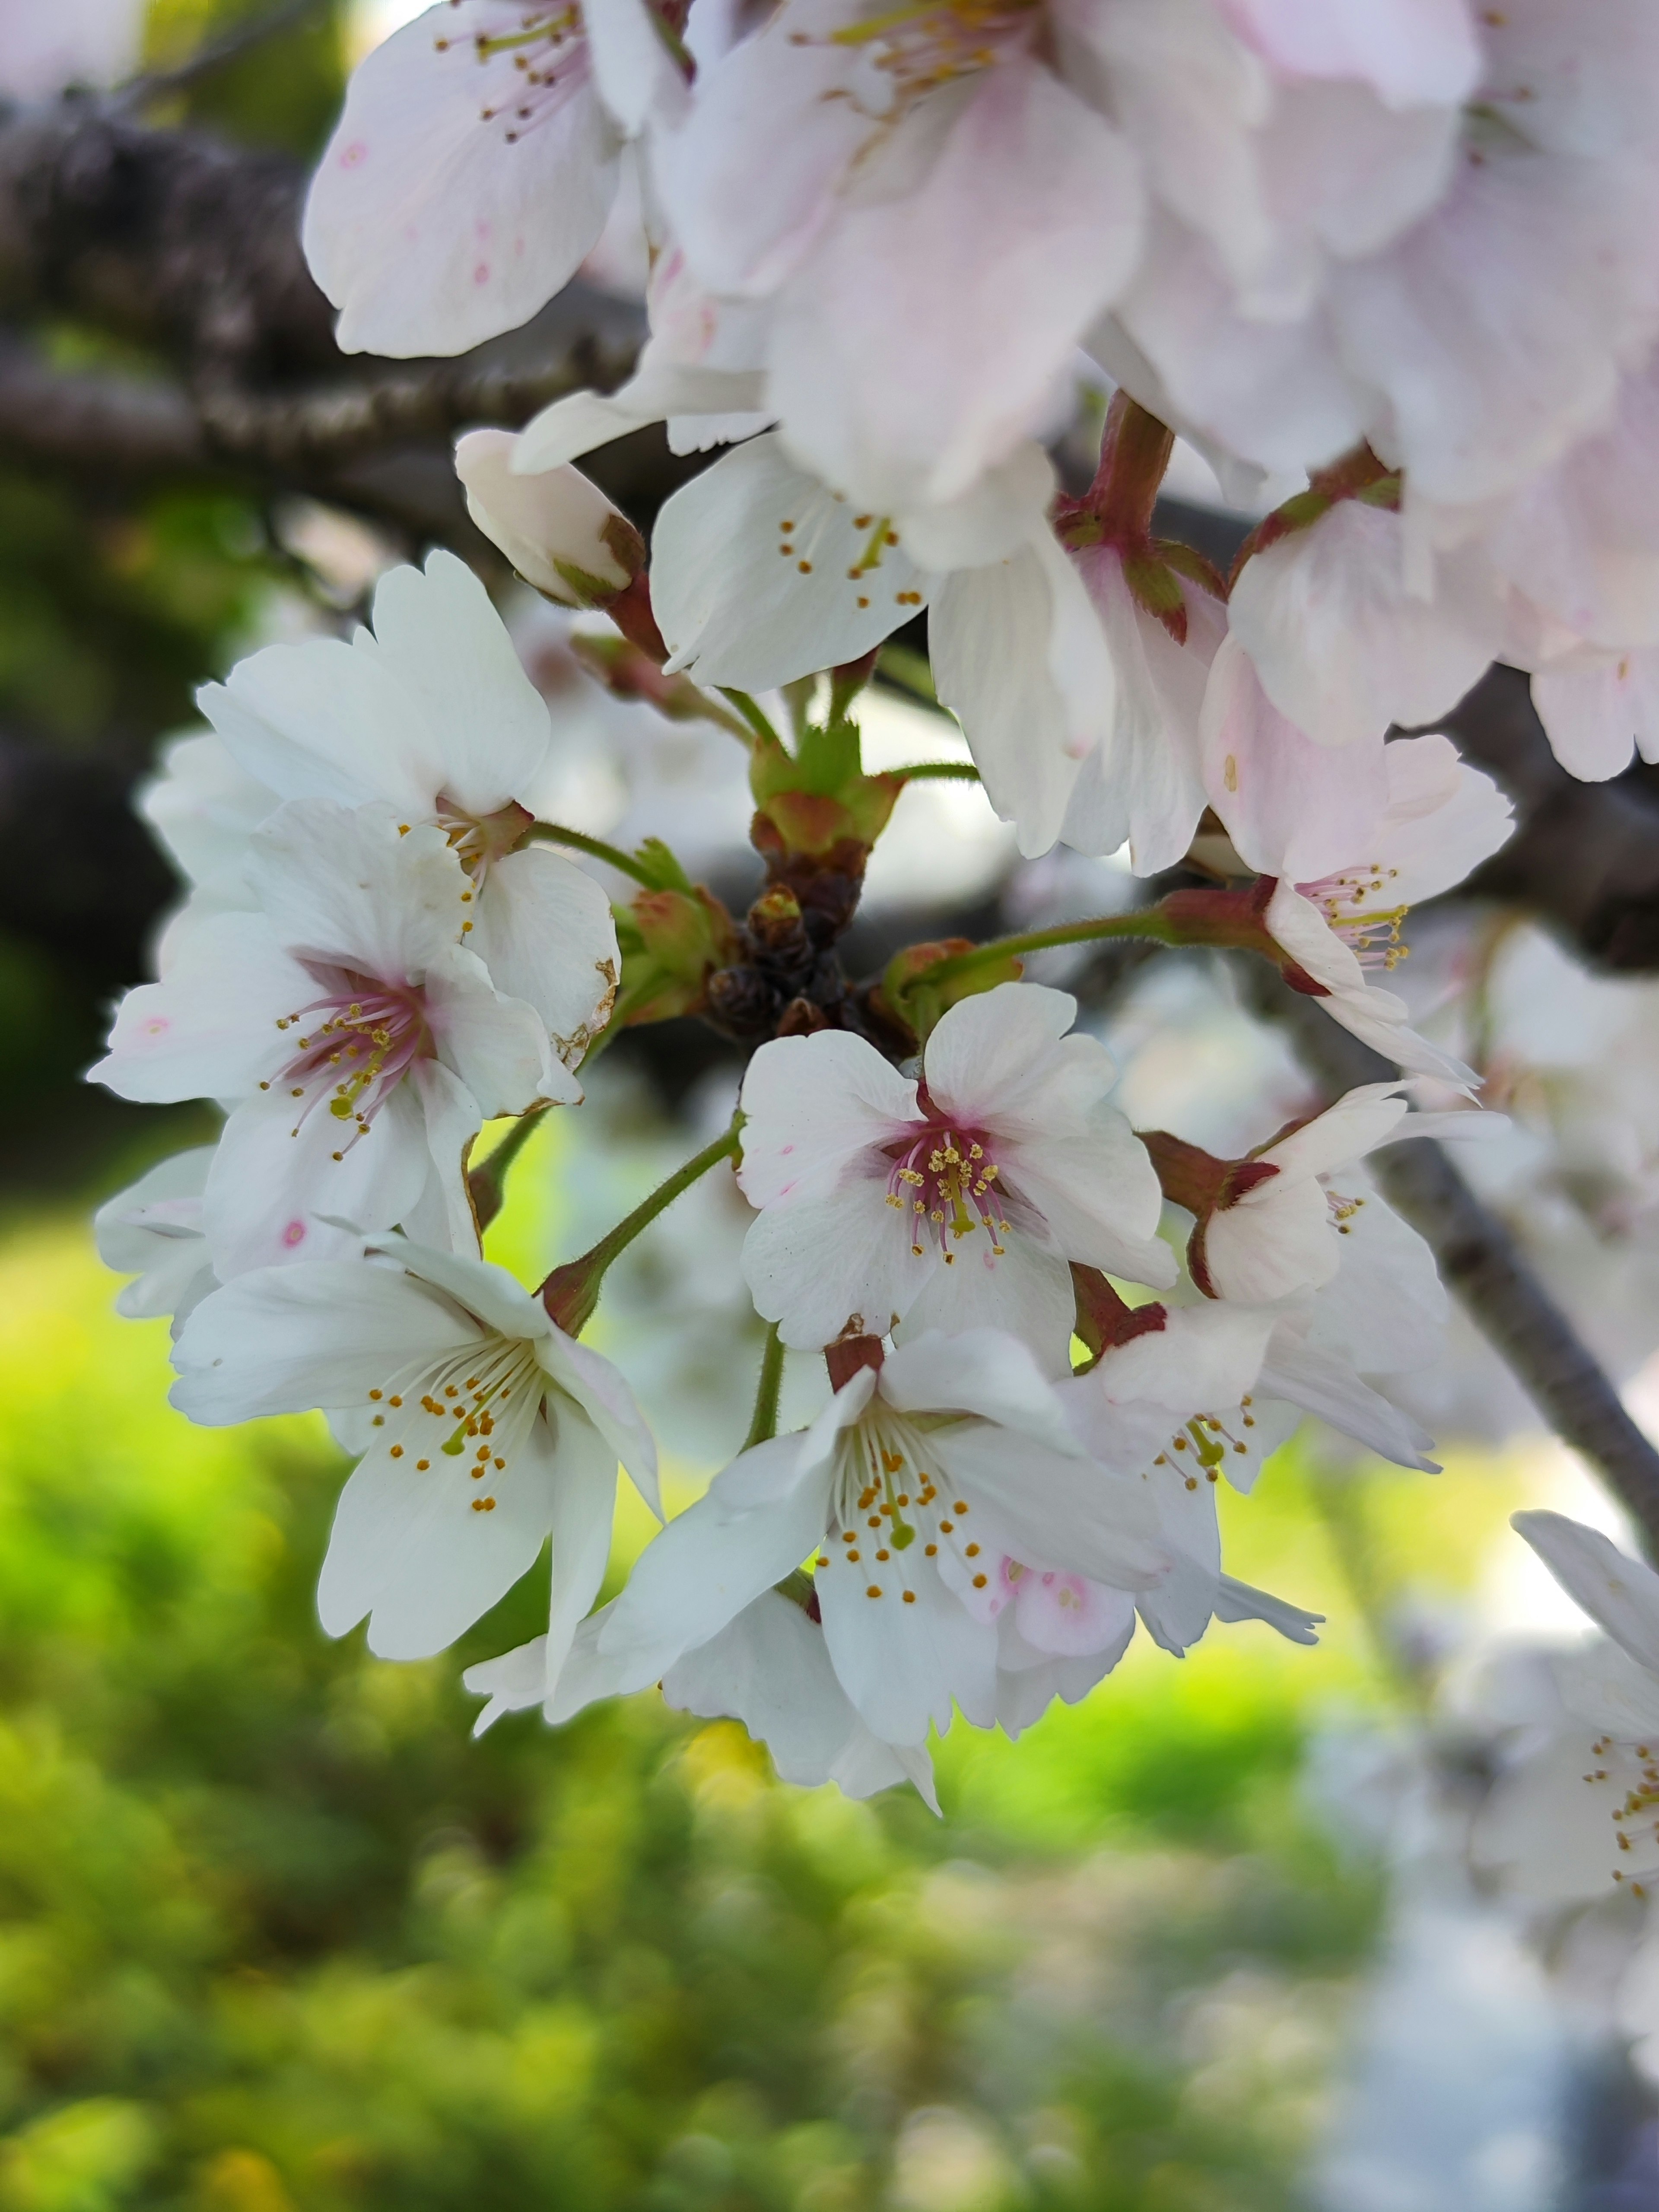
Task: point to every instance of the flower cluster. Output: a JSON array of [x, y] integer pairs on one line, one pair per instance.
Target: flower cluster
[[1407, 256]]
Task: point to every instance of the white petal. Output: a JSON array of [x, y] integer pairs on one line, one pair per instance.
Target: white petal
[[270, 1189], [770, 1669], [203, 805], [1056, 1510], [449, 1124], [1594, 717], [1293, 807], [990, 631], [1341, 647], [987, 1054], [209, 1030], [326, 720], [1619, 1593], [812, 1106], [498, 1047], [821, 1266], [1238, 1601], [902, 1664], [709, 1564], [323, 1332], [1412, 51], [546, 935], [340, 885], [436, 629], [584, 1504], [517, 1679], [1203, 1358], [432, 229], [1323, 1383], [919, 340], [603, 1394], [984, 1371], [408, 1548], [1028, 1292], [758, 572]]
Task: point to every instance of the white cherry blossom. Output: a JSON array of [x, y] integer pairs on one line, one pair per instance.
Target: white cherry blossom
[[362, 1046], [1280, 1233], [950, 1201], [483, 1430], [1577, 1811], [905, 1493], [474, 166], [432, 715]]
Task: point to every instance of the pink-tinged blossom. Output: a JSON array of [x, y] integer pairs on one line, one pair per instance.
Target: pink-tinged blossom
[[1342, 647], [474, 166], [934, 217], [361, 1045], [482, 1428], [952, 1200], [1482, 329], [1081, 706], [1351, 841]]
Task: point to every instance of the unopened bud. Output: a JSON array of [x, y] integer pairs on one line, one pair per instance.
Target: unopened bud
[[559, 531]]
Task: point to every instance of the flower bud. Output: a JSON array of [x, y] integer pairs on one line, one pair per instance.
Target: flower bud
[[559, 531]]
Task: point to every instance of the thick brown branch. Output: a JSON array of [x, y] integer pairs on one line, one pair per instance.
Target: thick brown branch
[[1481, 1260]]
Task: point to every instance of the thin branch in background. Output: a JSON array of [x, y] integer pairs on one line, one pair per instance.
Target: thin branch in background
[[1481, 1262]]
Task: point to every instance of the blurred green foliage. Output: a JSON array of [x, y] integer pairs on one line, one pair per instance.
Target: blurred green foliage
[[276, 1933]]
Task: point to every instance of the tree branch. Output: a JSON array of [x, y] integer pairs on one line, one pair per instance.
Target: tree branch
[[1481, 1260]]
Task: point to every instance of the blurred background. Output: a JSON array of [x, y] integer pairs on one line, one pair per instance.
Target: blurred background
[[275, 1932]]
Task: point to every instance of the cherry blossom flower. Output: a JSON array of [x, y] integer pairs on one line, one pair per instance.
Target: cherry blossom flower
[[1080, 704], [1488, 267], [1341, 646], [768, 1667], [1305, 815], [1171, 1406], [1577, 1812], [474, 166], [955, 1199], [1272, 1224], [482, 1429], [362, 1044], [933, 217], [432, 715], [153, 1232], [910, 1486]]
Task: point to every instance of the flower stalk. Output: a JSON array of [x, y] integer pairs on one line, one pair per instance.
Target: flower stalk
[[571, 1292]]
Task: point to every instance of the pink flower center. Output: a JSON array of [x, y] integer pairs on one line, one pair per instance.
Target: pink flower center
[[359, 1040], [944, 1180], [1349, 904]]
